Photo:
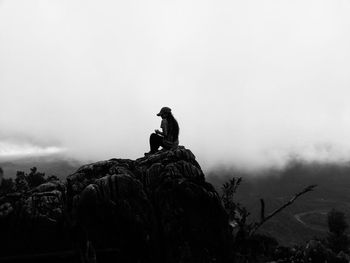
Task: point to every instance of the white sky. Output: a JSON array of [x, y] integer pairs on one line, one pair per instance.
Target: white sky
[[250, 82]]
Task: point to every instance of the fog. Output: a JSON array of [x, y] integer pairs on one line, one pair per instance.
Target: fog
[[251, 83]]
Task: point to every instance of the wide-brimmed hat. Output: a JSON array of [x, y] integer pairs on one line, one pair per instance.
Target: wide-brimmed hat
[[164, 110]]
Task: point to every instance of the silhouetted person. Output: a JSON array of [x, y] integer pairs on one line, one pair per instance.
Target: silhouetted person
[[168, 138]]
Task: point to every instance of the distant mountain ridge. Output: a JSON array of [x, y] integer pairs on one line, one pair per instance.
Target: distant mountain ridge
[[58, 165]]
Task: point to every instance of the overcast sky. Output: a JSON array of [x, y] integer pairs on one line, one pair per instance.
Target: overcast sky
[[250, 82]]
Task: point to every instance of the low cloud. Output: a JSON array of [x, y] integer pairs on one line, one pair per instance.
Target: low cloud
[[12, 149]]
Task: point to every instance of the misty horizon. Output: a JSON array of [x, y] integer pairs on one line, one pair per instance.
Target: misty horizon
[[251, 84]]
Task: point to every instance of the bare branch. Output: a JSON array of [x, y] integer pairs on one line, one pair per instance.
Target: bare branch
[[263, 219]]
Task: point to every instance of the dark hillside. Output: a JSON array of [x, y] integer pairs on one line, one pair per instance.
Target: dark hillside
[[306, 218]]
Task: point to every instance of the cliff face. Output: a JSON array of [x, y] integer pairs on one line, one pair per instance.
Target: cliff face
[[157, 208]]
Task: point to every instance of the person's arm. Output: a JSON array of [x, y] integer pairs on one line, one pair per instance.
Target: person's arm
[[164, 126]]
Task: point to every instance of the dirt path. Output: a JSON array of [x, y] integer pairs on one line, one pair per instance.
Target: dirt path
[[299, 216]]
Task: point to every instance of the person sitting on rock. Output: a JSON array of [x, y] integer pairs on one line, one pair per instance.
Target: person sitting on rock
[[168, 138]]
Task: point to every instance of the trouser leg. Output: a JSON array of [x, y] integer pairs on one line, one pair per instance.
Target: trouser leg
[[155, 141]]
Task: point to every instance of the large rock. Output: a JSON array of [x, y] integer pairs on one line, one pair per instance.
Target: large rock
[[158, 208]]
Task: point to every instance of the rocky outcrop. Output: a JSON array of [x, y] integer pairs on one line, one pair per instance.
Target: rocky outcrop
[[158, 208], [32, 221]]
